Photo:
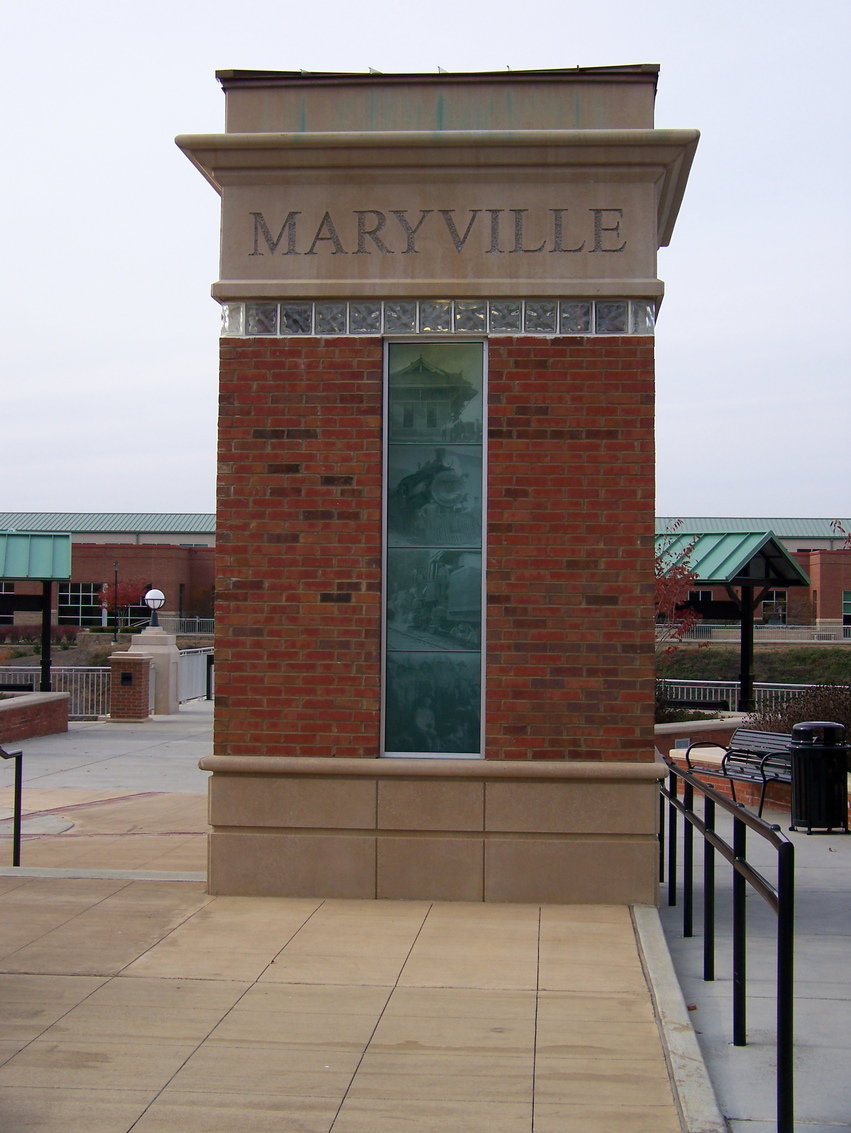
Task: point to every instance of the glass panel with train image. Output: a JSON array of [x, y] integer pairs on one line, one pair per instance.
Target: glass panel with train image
[[433, 581]]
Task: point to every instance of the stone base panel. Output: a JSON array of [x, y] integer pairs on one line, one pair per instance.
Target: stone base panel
[[565, 833]]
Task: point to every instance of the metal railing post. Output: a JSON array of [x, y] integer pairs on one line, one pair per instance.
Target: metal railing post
[[708, 891], [688, 864], [672, 842], [18, 757], [785, 987], [740, 959]]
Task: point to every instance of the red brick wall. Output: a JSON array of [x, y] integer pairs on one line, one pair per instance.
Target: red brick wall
[[35, 714], [129, 701], [163, 565], [570, 626], [830, 576], [570, 559], [298, 602]]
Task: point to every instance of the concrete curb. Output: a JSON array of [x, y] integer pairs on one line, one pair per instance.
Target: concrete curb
[[102, 874], [695, 1096]]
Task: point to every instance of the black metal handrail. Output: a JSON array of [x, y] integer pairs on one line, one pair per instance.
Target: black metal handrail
[[18, 757], [780, 899]]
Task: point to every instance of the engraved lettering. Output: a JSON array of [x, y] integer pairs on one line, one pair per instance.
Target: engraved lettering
[[558, 233], [494, 248], [261, 228], [372, 233], [458, 240], [402, 216], [331, 234], [600, 230], [519, 224]]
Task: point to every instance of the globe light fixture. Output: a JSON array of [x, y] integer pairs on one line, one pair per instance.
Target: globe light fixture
[[154, 599]]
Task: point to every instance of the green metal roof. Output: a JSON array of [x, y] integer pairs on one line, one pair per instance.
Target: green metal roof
[[788, 528], [77, 522], [734, 558], [34, 555]]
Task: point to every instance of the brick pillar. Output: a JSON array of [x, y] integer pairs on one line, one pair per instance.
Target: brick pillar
[[130, 687], [298, 556]]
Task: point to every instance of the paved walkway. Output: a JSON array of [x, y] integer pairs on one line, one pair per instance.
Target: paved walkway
[[132, 1000]]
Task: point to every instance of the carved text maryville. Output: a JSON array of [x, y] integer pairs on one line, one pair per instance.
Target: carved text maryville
[[493, 231]]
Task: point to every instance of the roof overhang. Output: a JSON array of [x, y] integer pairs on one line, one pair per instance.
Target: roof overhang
[[34, 556], [742, 558]]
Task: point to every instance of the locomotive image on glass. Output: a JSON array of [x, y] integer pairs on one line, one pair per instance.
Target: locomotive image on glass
[[433, 550], [434, 599], [434, 496]]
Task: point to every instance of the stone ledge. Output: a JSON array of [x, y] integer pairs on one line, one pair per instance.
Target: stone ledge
[[284, 766]]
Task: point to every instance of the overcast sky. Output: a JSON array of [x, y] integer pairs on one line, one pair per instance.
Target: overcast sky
[[109, 343]]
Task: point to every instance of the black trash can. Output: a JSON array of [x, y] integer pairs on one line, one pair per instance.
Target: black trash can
[[819, 776]]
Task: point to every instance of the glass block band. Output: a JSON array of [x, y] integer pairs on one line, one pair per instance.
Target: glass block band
[[297, 318]]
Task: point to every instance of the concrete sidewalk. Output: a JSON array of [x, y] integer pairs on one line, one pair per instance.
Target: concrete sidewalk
[[134, 1000], [115, 796]]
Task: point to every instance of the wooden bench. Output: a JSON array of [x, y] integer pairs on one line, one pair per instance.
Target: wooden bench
[[753, 757]]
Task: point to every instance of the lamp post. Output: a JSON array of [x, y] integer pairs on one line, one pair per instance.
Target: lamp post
[[154, 599]]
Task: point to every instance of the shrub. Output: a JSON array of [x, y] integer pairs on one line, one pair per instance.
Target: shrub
[[64, 636], [822, 702]]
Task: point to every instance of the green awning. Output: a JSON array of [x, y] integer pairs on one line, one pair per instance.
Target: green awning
[[34, 556], [740, 558]]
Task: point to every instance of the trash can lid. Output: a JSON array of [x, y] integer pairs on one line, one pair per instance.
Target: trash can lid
[[826, 732]]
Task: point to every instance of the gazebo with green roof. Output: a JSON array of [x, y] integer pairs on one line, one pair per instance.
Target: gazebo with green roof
[[34, 556], [751, 561]]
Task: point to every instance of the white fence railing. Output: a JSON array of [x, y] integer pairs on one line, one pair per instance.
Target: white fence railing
[[171, 623], [88, 686], [711, 631], [767, 696], [193, 679]]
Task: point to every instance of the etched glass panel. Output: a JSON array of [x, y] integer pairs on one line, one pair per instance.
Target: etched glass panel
[[575, 318], [435, 392], [643, 316], [434, 496], [365, 318], [541, 317], [261, 318], [233, 320], [330, 318], [435, 314], [506, 315], [432, 703], [471, 315], [400, 318], [434, 599], [296, 318], [612, 317], [433, 546]]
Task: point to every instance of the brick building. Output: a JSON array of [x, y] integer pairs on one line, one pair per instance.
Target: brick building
[[173, 552], [820, 546], [434, 642]]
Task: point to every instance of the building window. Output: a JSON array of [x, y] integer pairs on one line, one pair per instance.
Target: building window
[[774, 608], [434, 522], [846, 607], [79, 604], [696, 596], [7, 588]]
